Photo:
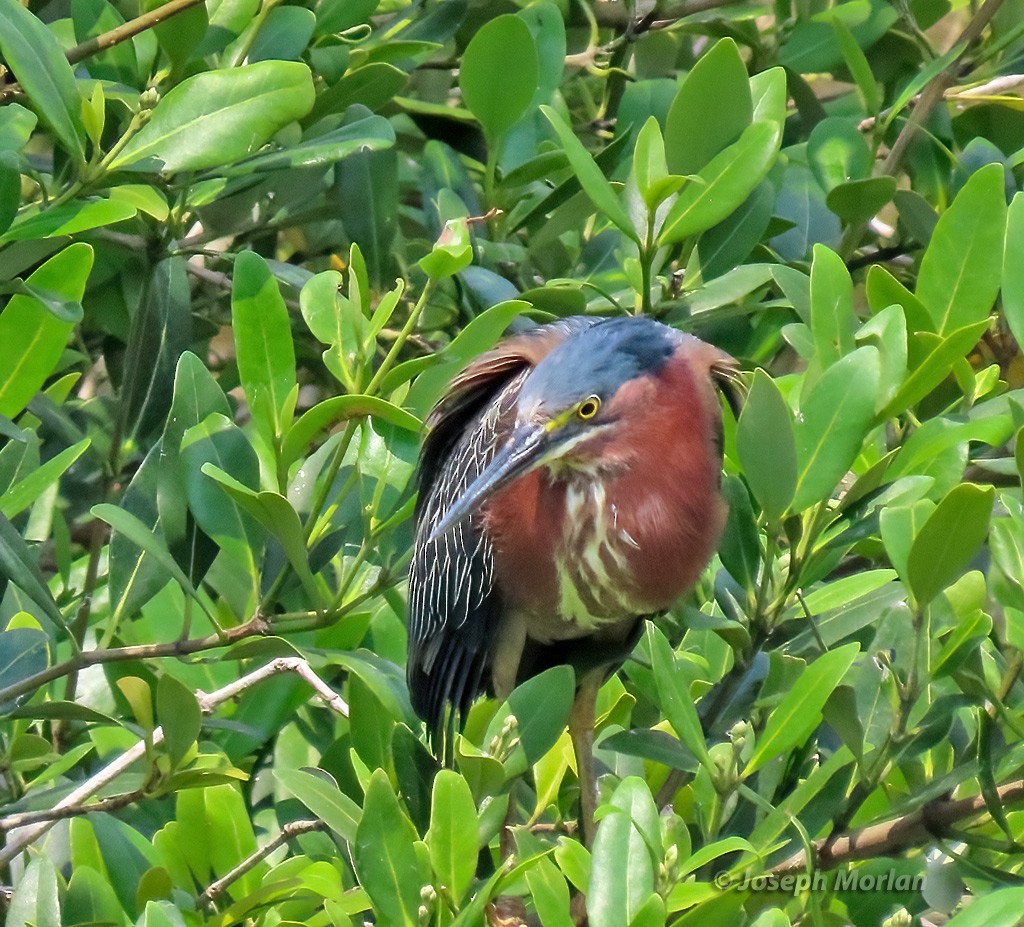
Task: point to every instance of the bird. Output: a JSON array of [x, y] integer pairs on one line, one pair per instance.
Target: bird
[[569, 486]]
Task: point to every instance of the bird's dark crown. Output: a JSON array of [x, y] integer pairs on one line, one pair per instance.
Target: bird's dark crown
[[598, 361]]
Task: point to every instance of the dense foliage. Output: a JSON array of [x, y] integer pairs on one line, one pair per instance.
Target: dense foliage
[[243, 250]]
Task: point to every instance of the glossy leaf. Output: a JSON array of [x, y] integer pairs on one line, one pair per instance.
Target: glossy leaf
[[799, 713], [498, 95], [674, 696], [832, 424], [723, 184], [23, 653], [217, 117], [721, 75], [20, 566], [324, 799], [1013, 269], [385, 859], [263, 342], [960, 271], [33, 53], [948, 540], [452, 834], [27, 490], [832, 318], [178, 713], [590, 176], [35, 902], [33, 338], [623, 871], [766, 447]]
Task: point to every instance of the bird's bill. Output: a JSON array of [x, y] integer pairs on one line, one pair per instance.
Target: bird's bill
[[527, 448]]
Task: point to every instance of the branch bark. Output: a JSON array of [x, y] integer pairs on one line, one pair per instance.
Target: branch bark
[[928, 823]]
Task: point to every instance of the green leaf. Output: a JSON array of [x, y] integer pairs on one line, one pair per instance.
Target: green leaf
[[948, 540], [217, 117], [324, 799], [837, 152], [649, 167], [674, 696], [959, 276], [799, 713], [372, 133], [33, 338], [178, 712], [33, 53], [35, 902], [723, 184], [550, 894], [861, 200], [219, 441], [858, 65], [386, 860], [161, 331], [541, 706], [371, 85], [589, 175], [337, 409], [91, 899], [766, 447], [718, 75], [23, 653], [832, 318], [1013, 269], [999, 908], [812, 47], [832, 424], [143, 537], [934, 368], [452, 835], [19, 565], [623, 869], [496, 93], [898, 526], [10, 188], [27, 490], [284, 34], [77, 216], [279, 518], [263, 342]]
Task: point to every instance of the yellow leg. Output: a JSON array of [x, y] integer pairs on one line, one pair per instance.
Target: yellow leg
[[581, 730]]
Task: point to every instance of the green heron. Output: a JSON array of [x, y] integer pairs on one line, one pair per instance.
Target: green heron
[[569, 487]]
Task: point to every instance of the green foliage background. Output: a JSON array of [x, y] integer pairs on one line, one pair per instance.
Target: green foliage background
[[238, 270]]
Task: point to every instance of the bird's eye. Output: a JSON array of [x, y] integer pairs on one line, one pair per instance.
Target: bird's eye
[[588, 408]]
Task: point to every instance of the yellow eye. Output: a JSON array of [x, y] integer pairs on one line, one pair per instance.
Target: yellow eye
[[588, 408]]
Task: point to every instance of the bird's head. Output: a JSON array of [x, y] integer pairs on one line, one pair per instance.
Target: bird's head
[[567, 409]]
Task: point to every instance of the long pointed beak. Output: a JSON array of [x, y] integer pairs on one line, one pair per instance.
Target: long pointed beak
[[524, 450]]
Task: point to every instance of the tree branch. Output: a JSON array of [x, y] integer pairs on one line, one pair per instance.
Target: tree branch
[[288, 832], [113, 803], [931, 821], [208, 702], [129, 29]]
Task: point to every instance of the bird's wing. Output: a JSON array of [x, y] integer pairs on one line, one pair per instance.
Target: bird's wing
[[454, 605]]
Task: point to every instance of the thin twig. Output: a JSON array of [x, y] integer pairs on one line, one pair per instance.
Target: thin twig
[[918, 828], [208, 702], [113, 803], [288, 832], [179, 648], [129, 29]]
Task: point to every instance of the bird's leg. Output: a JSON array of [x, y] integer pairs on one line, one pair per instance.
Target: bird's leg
[[581, 730]]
